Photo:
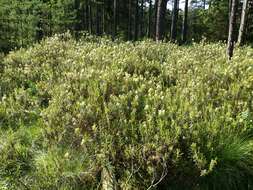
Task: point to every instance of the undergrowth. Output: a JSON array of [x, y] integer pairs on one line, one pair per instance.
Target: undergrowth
[[157, 115]]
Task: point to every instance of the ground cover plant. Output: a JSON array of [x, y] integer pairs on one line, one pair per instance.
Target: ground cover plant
[[144, 115]]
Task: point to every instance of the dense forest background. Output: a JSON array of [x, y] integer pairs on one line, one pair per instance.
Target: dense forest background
[[23, 22]]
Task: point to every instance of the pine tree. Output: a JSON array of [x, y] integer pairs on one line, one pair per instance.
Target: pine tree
[[161, 9], [130, 20], [232, 22], [114, 19], [185, 23], [174, 21], [136, 21], [149, 19], [243, 22]]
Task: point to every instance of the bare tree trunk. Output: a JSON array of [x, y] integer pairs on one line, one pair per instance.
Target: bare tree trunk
[[90, 19], [39, 31], [51, 19], [149, 18], [83, 13], [232, 22], [142, 19], [114, 19], [155, 17], [161, 9], [97, 19], [243, 21], [185, 23], [136, 20], [130, 20], [248, 21], [103, 17], [87, 16], [77, 23], [174, 21], [230, 6]]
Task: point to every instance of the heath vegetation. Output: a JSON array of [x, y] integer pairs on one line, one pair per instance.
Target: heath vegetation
[[153, 115]]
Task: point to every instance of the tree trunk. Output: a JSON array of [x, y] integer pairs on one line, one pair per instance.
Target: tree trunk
[[50, 20], [82, 13], [230, 6], [39, 31], [161, 9], [90, 19], [155, 17], [174, 21], [87, 16], [114, 19], [136, 21], [232, 22], [103, 17], [185, 23], [142, 19], [97, 19], [243, 21], [77, 20], [130, 20], [149, 18]]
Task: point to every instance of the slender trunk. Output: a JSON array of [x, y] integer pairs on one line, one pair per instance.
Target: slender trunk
[[155, 17], [161, 9], [142, 19], [103, 17], [97, 19], [248, 21], [77, 20], [230, 7], [136, 21], [243, 21], [130, 20], [83, 13], [22, 31], [87, 17], [90, 19], [39, 31], [174, 21], [114, 19], [50, 20], [185, 24], [204, 4], [149, 18], [232, 22]]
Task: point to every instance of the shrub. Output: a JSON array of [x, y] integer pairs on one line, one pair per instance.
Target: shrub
[[156, 115]]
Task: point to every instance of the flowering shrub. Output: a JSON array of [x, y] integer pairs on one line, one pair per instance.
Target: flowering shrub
[[157, 115]]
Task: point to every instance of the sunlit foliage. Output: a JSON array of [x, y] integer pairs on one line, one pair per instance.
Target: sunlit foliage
[[159, 115]]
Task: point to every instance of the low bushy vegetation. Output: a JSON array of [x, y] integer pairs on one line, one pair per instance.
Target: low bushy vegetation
[[154, 115]]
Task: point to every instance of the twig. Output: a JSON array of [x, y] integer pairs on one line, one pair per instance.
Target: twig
[[164, 174]]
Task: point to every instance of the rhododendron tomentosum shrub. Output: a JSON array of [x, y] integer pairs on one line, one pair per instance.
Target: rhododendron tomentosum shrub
[[95, 113]]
